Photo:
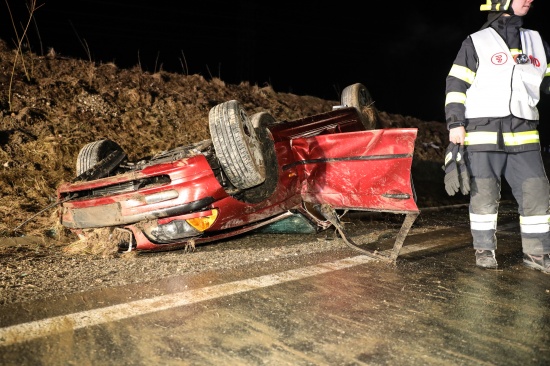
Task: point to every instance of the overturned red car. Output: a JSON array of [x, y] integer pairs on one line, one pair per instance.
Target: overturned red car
[[255, 172]]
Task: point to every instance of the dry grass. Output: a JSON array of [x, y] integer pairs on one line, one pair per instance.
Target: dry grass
[[32, 7], [96, 242]]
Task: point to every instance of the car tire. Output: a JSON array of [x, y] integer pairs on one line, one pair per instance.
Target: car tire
[[357, 96], [256, 194], [91, 154], [237, 145]]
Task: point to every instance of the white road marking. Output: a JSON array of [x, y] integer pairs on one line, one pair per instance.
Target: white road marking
[[64, 323], [70, 322]]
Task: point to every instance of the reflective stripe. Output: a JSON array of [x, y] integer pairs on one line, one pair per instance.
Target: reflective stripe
[[448, 157], [479, 138], [483, 222], [515, 51], [532, 220], [510, 138], [455, 97], [534, 224], [547, 70], [489, 6], [463, 73], [486, 7], [521, 138]]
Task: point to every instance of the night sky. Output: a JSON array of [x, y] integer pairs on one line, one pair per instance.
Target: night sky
[[401, 51]]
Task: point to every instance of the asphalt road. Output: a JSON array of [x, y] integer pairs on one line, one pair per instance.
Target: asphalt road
[[433, 307]]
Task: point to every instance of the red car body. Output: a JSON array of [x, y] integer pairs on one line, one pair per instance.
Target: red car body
[[326, 159]]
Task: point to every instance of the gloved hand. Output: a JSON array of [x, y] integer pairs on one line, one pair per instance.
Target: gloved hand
[[452, 181], [463, 175]]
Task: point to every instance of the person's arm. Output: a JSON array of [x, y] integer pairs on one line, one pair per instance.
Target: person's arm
[[459, 79], [545, 85]]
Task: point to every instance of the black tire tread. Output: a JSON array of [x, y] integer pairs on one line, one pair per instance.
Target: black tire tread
[[262, 191], [93, 153], [358, 96], [236, 144]]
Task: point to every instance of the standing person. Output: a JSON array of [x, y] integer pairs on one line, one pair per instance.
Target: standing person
[[492, 92]]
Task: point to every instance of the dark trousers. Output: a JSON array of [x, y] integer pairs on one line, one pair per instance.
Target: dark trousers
[[524, 172]]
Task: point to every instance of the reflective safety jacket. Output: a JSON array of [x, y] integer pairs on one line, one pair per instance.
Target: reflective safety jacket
[[502, 86], [478, 95]]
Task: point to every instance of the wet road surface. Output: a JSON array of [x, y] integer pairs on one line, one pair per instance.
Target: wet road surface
[[434, 307]]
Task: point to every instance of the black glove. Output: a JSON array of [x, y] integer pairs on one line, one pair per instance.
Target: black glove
[[463, 175], [452, 181]]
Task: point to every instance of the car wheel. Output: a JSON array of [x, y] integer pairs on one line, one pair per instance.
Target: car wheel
[[256, 194], [91, 154], [237, 145], [357, 96]]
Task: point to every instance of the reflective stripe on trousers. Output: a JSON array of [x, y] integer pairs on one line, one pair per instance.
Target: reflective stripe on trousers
[[534, 224]]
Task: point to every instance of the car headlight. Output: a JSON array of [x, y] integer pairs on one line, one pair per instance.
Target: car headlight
[[179, 228]]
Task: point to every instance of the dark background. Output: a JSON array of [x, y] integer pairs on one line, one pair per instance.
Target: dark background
[[400, 50]]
